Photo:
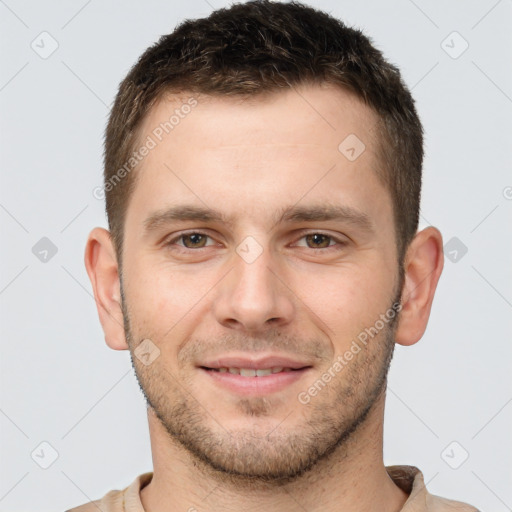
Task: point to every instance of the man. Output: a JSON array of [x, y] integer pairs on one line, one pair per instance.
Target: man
[[262, 180]]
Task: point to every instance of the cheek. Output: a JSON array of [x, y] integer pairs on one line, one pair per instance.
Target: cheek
[[165, 302], [155, 283], [346, 299], [169, 302]]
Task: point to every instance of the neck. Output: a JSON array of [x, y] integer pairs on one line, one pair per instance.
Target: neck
[[352, 478]]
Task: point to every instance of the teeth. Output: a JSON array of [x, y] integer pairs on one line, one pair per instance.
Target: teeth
[[250, 372]]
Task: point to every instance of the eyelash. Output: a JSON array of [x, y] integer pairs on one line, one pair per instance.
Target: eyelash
[[336, 246]]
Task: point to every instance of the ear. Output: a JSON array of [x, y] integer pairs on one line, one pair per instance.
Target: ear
[[101, 264], [423, 266]]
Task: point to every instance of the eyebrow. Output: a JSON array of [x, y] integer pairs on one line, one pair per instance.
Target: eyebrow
[[288, 215]]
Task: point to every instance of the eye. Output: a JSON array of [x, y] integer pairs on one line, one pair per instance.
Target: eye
[[198, 240], [320, 241], [191, 240]]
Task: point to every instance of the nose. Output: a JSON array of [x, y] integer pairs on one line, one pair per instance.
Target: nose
[[253, 296]]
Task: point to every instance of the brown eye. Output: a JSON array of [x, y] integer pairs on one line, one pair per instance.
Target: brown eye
[[318, 240], [194, 240]]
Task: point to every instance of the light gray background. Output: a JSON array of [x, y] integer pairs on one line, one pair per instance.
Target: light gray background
[[62, 384]]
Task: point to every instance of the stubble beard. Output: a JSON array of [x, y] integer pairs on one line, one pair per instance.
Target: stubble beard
[[268, 456]]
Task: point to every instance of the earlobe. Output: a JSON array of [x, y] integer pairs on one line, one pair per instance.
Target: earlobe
[[423, 266], [102, 268]]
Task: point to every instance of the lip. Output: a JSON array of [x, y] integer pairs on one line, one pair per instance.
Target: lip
[[254, 386], [254, 363]]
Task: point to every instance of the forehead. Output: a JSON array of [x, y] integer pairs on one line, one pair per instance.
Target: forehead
[[320, 114], [260, 154]]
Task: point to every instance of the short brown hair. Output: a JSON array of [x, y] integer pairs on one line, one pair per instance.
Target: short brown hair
[[262, 47]]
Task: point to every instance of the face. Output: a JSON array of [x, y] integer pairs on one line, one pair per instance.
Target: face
[[256, 257]]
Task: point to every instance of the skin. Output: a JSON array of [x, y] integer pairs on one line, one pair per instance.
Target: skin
[[309, 298]]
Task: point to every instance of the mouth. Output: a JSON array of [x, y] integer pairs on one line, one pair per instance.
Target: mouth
[[254, 378], [252, 372]]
